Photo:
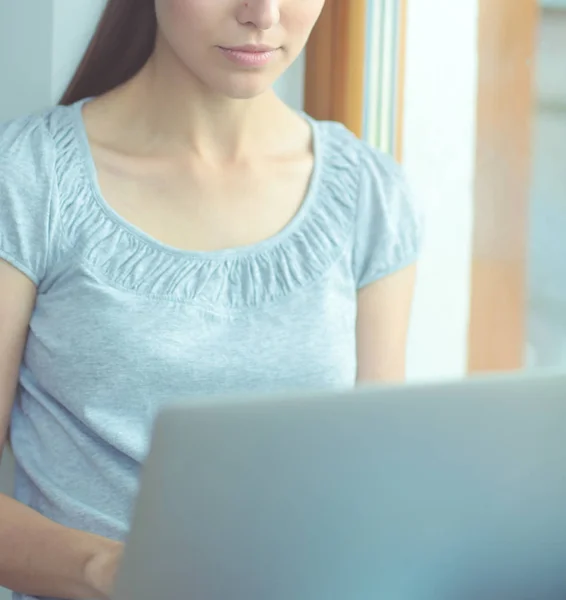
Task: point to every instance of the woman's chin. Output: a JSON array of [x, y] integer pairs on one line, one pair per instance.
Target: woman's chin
[[243, 86]]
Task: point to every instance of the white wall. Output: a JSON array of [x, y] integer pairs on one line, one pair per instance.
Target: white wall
[[25, 56], [439, 140], [73, 25]]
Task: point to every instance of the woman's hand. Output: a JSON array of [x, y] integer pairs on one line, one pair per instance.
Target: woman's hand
[[102, 569]]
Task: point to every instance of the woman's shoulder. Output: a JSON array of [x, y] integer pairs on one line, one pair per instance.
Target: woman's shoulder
[[36, 151], [389, 220], [27, 159], [27, 143], [372, 177], [22, 137], [366, 161], [28, 190], [38, 123]]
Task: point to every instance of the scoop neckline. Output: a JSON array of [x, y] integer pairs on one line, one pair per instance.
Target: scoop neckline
[[295, 224]]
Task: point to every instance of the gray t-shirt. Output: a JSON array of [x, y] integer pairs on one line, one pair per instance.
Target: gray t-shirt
[[125, 324]]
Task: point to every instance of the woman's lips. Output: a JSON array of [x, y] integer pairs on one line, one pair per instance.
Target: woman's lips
[[249, 56]]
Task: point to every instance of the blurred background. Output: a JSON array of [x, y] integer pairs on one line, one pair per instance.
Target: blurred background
[[546, 340], [470, 96]]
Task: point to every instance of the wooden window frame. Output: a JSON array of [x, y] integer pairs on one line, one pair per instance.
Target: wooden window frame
[[334, 90], [498, 313], [335, 57]]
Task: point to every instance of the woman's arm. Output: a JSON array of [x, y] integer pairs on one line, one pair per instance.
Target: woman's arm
[[384, 310], [37, 556], [41, 558]]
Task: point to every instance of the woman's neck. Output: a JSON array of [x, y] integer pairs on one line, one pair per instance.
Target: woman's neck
[[166, 110]]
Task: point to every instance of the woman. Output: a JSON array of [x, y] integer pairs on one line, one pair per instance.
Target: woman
[[174, 230]]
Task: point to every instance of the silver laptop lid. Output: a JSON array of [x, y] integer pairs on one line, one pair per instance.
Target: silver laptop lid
[[440, 492]]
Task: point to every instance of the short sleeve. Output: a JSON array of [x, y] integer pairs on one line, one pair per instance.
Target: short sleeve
[[389, 222], [27, 187]]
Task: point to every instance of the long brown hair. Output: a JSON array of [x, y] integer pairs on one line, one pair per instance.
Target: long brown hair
[[122, 43]]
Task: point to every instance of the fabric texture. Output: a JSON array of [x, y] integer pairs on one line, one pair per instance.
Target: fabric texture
[[124, 324]]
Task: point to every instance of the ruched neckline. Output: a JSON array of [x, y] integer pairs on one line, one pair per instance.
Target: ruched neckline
[[244, 276]]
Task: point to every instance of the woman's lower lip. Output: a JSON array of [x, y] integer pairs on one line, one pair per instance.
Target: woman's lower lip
[[248, 59]]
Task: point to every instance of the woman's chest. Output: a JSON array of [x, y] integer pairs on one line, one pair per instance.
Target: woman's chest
[[94, 345]]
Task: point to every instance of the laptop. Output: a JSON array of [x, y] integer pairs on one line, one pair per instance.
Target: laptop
[[452, 491]]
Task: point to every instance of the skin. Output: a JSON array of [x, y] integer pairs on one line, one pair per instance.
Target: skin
[[191, 125]]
